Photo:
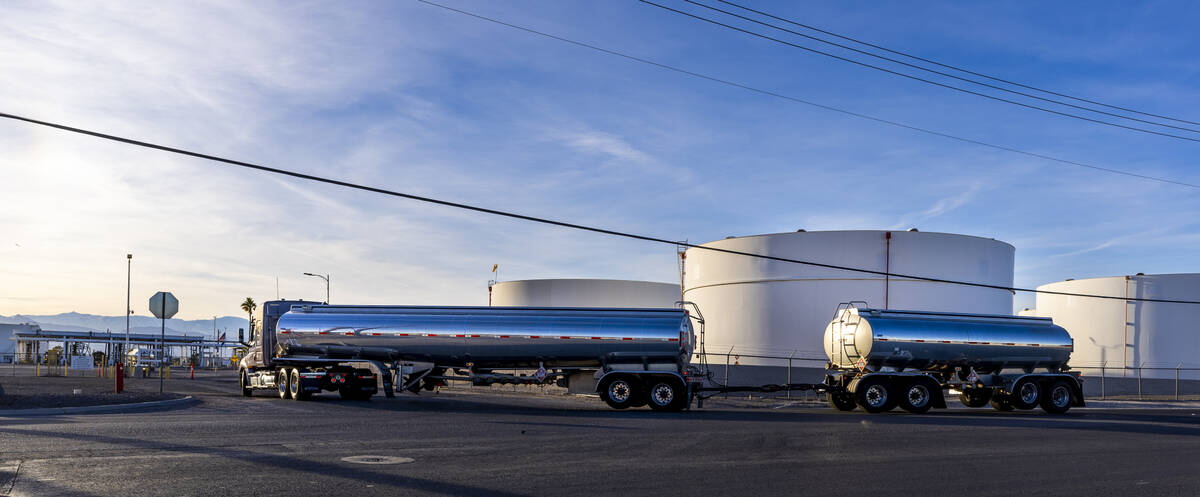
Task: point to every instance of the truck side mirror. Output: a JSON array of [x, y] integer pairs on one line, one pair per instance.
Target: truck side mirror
[[241, 335]]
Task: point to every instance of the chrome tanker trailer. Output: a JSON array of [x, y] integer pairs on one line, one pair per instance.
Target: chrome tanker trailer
[[641, 355], [879, 359]]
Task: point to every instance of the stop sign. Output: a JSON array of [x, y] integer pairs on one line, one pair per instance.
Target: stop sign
[[164, 305]]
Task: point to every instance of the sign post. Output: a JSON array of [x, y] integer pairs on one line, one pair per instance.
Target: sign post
[[163, 305]]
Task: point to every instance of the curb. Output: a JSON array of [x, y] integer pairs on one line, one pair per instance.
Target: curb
[[58, 411]]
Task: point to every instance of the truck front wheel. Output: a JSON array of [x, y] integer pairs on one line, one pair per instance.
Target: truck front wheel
[[243, 381]]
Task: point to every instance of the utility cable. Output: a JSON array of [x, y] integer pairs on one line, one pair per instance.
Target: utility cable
[[552, 222], [940, 73], [917, 78], [789, 98], [956, 68]]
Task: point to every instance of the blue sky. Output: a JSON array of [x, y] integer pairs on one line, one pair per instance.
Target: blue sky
[[415, 98]]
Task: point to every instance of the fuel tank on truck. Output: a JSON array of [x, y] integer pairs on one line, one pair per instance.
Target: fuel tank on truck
[[878, 338], [488, 337]]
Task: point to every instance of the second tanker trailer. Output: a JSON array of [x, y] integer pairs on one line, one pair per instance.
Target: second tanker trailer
[[880, 359]]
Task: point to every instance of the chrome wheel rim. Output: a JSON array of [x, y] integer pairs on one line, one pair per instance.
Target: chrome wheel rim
[[1028, 393], [294, 382], [876, 395], [1060, 397], [619, 391], [281, 381], [918, 395], [662, 394]]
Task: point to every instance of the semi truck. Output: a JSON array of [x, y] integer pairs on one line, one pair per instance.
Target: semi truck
[[636, 357], [878, 359]]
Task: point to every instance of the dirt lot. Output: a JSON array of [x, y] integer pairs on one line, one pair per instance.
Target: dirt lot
[[20, 389]]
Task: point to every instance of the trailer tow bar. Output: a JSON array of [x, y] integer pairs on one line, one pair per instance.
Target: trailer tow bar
[[770, 388]]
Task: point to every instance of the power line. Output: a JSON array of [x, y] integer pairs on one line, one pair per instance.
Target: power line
[[789, 98], [956, 68], [917, 78], [551, 222], [940, 73]]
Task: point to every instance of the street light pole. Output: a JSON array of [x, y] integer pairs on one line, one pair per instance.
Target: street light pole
[[128, 309], [326, 278]]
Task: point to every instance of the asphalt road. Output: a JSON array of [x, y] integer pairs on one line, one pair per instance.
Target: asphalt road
[[472, 444]]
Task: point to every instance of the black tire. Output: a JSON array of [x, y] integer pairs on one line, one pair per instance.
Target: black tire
[[1000, 403], [281, 382], [1026, 394], [916, 397], [1057, 399], [621, 392], [297, 393], [842, 401], [666, 395], [245, 384], [975, 397], [874, 395]]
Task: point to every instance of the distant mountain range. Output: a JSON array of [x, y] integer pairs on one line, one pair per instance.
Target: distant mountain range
[[74, 321]]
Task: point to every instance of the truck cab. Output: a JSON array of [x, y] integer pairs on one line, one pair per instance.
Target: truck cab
[[266, 364]]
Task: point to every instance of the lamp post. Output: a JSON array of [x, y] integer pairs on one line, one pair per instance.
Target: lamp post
[[326, 278], [128, 308]]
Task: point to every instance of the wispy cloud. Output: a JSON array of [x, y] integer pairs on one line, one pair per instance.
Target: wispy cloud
[[941, 206]]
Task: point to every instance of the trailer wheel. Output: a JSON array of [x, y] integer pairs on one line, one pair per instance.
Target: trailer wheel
[[1058, 399], [620, 392], [916, 397], [294, 388], [841, 401], [1026, 394], [667, 395], [874, 395], [975, 397], [1000, 403], [281, 381], [244, 382]]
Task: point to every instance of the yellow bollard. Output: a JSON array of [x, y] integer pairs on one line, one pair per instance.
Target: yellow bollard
[[168, 372], [67, 369], [37, 370]]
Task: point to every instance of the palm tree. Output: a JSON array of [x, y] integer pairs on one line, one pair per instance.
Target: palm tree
[[249, 306]]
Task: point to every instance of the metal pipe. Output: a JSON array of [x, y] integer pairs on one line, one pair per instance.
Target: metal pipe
[[128, 304]]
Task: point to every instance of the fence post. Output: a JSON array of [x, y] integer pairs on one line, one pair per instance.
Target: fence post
[[1102, 379], [1140, 380], [727, 356], [1177, 380], [789, 392]]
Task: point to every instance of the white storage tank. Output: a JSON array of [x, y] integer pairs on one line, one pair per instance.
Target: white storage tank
[[764, 307], [1122, 334], [584, 293]]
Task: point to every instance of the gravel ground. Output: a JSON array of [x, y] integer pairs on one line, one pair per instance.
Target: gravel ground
[[29, 392]]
